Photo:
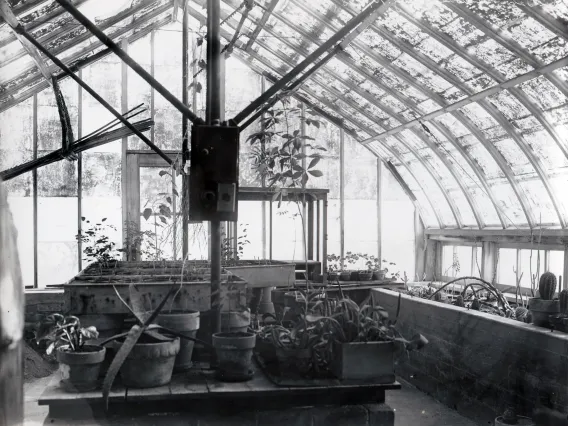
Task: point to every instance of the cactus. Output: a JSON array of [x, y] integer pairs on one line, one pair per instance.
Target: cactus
[[475, 304], [510, 416], [563, 298], [459, 301], [547, 286], [438, 297], [521, 314]]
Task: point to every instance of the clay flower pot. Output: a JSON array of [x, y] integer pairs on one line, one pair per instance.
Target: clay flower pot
[[365, 275], [150, 363], [234, 355], [184, 322], [542, 309], [345, 276], [379, 275], [292, 361], [81, 369], [521, 421]]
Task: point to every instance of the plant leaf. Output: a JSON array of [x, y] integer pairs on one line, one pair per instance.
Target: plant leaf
[[316, 173], [147, 213], [125, 349]]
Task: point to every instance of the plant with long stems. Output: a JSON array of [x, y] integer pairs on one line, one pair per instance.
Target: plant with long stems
[[280, 154]]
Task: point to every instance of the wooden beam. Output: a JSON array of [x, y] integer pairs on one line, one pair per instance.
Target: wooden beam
[[24, 7], [261, 24], [78, 60], [12, 308]]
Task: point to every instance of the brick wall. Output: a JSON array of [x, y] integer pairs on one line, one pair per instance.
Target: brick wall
[[41, 302], [478, 363]]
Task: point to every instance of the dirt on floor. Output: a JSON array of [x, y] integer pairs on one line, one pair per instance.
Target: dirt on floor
[[35, 366]]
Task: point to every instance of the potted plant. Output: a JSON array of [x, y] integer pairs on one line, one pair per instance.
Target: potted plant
[[363, 341], [542, 307], [234, 355], [560, 321], [81, 362], [333, 267]]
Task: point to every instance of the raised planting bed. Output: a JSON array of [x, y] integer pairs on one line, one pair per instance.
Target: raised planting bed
[[92, 292], [479, 363]]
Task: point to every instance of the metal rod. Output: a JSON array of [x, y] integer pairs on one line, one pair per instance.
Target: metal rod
[[213, 114], [80, 175], [341, 195], [292, 87], [94, 94], [73, 11], [77, 147], [352, 24], [34, 189], [185, 131]]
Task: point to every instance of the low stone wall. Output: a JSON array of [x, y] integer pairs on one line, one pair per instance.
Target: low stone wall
[[478, 363], [42, 302]]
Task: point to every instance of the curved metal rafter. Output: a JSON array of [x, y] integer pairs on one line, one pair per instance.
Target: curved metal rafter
[[449, 43], [535, 162], [474, 165], [502, 163]]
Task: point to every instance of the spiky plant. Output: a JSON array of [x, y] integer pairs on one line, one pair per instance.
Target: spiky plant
[[547, 286]]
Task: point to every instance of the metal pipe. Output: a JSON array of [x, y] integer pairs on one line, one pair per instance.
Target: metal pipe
[[94, 94], [213, 114], [185, 131], [73, 11], [352, 24]]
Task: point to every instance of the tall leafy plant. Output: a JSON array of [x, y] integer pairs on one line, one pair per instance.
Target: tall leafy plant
[[97, 245], [283, 157]]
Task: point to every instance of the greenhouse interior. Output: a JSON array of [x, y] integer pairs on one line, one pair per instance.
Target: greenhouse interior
[[284, 212]]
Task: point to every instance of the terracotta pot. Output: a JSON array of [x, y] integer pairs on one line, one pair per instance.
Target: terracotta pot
[[542, 309], [365, 275], [332, 276], [81, 369], [364, 361], [184, 322], [354, 275], [234, 355], [345, 276], [150, 363], [379, 275]]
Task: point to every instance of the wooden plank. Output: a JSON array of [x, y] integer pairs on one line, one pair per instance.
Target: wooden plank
[[54, 393]]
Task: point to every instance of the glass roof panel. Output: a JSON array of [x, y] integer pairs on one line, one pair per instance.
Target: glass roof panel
[[543, 92], [455, 127], [508, 105], [560, 185], [515, 157], [427, 213], [509, 204], [497, 12], [486, 207], [551, 51], [486, 162], [547, 150], [467, 216], [558, 115], [402, 28], [480, 118], [539, 202], [528, 32]]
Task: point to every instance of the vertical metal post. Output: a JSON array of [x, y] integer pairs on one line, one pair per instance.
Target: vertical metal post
[[305, 241], [263, 181], [341, 195], [152, 92], [324, 239], [34, 187], [318, 231], [270, 230], [565, 271], [213, 115], [80, 173], [123, 173], [380, 213], [185, 130]]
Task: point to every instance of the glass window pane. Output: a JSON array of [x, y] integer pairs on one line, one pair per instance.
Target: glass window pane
[[556, 264], [532, 266], [507, 264]]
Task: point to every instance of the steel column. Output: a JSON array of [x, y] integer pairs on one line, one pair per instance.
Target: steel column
[[185, 131], [213, 114]]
